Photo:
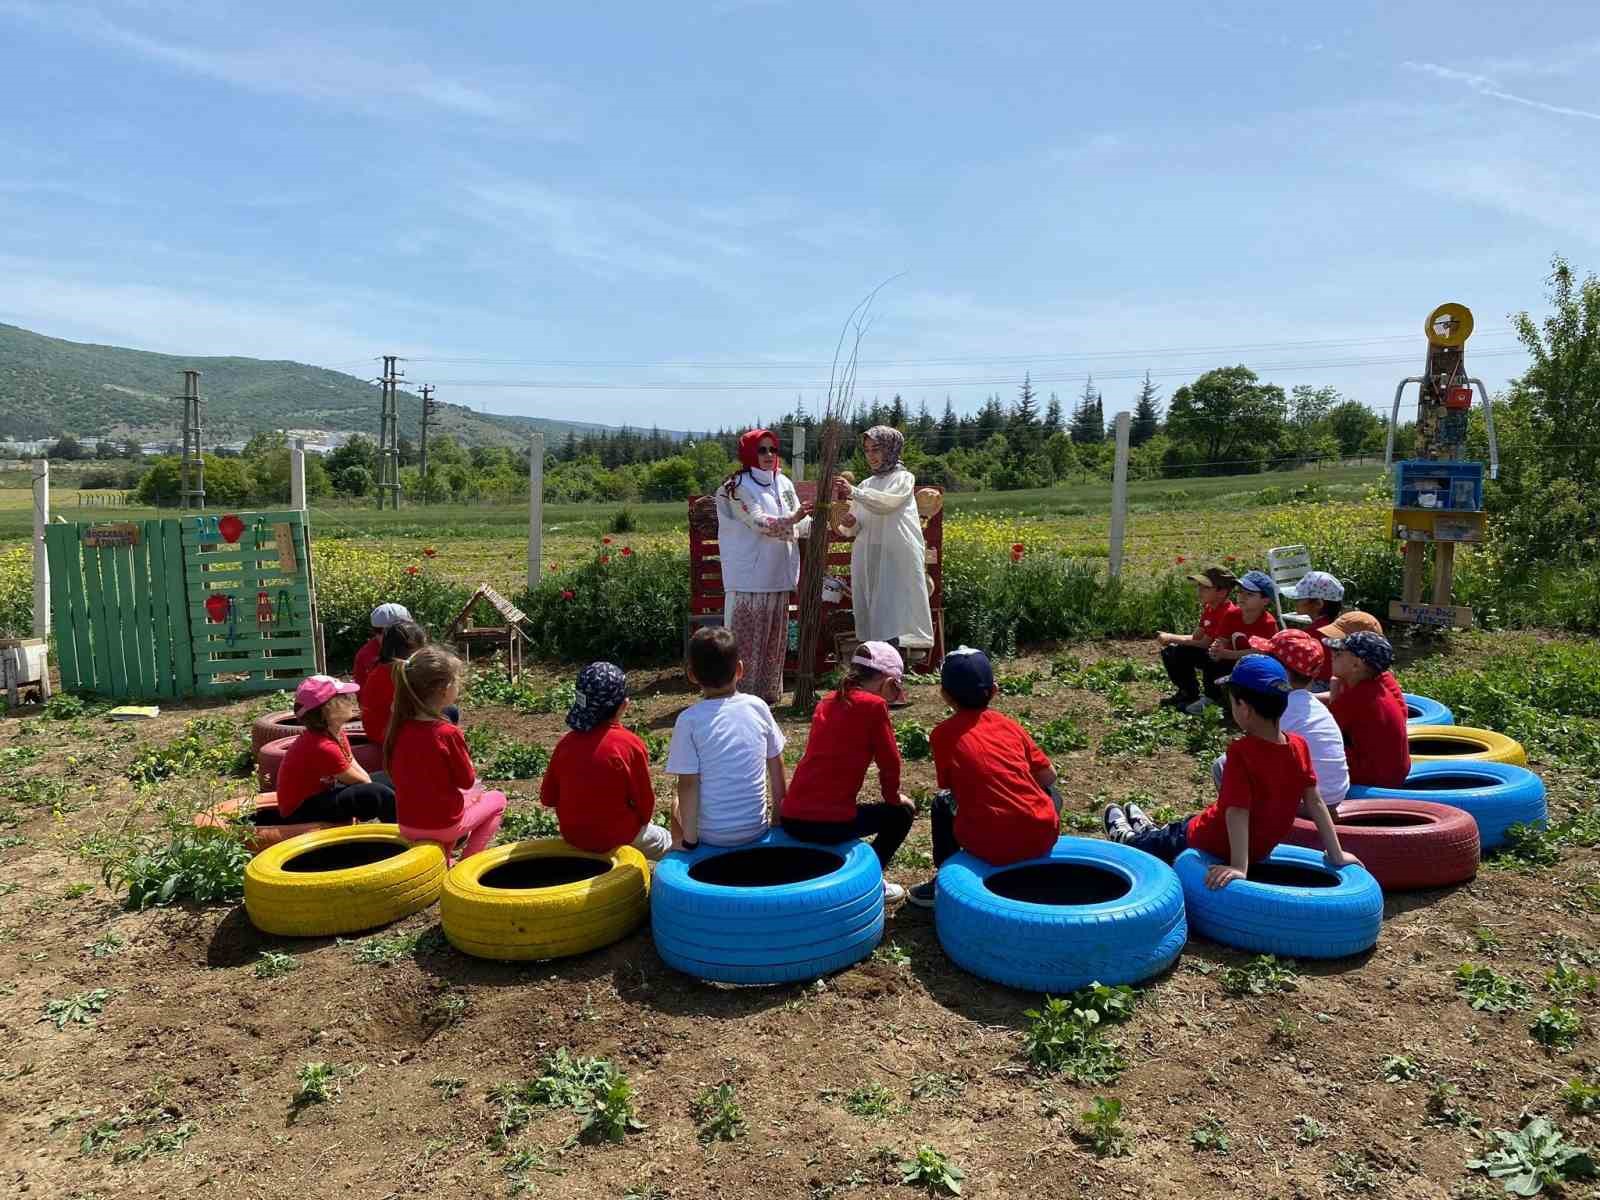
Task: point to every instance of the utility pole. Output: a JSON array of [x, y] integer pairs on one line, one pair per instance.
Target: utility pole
[[193, 471], [427, 415], [389, 436]]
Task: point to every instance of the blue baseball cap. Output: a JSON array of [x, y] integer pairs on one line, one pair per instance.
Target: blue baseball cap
[[1258, 673], [968, 676], [1259, 582]]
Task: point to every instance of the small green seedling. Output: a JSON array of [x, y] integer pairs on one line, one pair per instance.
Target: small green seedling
[[1308, 1131], [314, 1084], [1556, 1027], [274, 963], [716, 1111], [1567, 984], [1581, 1097], [1102, 1128], [1445, 1108], [913, 739], [933, 1171], [608, 1113], [1485, 940], [1212, 1135], [1535, 1157], [75, 1009], [1353, 1173], [1064, 1038], [78, 890], [387, 949], [871, 1100], [448, 1088], [1488, 991], [1285, 1034], [107, 944], [1400, 1068], [893, 954], [1262, 974]]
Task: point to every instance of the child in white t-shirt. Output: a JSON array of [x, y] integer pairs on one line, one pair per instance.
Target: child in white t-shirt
[[1302, 656], [727, 752]]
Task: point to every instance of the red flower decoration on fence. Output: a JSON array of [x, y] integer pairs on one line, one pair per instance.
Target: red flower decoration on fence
[[1017, 551], [428, 552], [411, 570], [567, 595], [627, 552]]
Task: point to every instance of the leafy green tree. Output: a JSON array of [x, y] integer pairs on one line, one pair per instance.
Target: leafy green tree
[[672, 479], [1228, 419], [1353, 424], [359, 451], [352, 481], [1306, 430]]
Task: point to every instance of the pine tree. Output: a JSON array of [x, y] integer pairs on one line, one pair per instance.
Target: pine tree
[[1088, 417], [924, 426], [1146, 414], [949, 429], [897, 414], [991, 419], [1025, 415], [1052, 416]]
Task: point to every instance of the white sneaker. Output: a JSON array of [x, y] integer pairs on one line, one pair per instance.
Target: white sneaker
[[893, 893]]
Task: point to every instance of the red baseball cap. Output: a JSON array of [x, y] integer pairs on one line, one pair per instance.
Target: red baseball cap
[[1295, 649]]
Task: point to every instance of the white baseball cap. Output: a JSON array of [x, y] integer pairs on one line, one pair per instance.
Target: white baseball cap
[[386, 615]]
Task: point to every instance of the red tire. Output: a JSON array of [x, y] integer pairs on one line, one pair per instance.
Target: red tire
[[275, 726], [1407, 845], [270, 757], [270, 829]]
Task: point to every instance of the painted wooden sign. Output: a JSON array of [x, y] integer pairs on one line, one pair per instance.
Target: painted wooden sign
[[1437, 616], [97, 536]]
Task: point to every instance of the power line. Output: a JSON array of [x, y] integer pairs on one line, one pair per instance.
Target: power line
[[981, 360], [702, 385]]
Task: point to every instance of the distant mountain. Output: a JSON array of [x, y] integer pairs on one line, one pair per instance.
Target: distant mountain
[[49, 387]]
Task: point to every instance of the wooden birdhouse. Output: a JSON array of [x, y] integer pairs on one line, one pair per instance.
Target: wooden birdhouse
[[508, 637]]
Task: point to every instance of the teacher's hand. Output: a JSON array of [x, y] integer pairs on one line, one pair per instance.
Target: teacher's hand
[[841, 490]]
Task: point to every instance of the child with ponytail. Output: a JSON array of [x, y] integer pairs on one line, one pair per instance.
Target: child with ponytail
[[437, 797]]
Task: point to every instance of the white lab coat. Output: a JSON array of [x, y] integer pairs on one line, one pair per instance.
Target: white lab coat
[[888, 562], [753, 561]]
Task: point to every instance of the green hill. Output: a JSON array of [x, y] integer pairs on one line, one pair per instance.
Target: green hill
[[49, 387]]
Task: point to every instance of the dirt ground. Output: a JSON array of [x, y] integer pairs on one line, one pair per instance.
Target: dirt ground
[[190, 1037]]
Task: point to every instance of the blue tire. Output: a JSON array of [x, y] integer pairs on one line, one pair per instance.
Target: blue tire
[[1127, 925], [715, 915], [1498, 795], [1422, 711], [1298, 908]]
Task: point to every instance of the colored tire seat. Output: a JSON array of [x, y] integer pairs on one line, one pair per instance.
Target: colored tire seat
[[1420, 710], [1496, 795], [1462, 743], [1406, 845], [258, 818], [340, 881], [270, 757]]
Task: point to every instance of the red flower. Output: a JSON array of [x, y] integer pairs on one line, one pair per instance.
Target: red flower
[[553, 567], [627, 552], [1231, 558], [605, 558], [605, 541], [567, 595], [1017, 551], [428, 552], [411, 570], [1179, 560]]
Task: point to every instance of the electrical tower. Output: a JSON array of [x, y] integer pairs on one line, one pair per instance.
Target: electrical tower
[[192, 474], [389, 436], [427, 417]]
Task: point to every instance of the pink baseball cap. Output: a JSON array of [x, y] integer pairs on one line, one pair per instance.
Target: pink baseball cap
[[881, 657], [316, 690]]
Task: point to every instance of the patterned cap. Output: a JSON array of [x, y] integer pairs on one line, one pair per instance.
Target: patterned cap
[[1370, 648], [1295, 649], [1315, 585], [601, 687]]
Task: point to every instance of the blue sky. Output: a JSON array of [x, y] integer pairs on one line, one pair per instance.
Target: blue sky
[[669, 196]]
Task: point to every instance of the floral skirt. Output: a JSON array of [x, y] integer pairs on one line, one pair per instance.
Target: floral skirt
[[760, 623]]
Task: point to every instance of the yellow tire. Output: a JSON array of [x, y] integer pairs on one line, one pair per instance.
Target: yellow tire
[[1462, 743], [537, 902], [341, 880]]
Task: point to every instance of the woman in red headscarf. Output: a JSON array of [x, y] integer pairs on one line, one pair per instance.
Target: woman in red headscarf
[[759, 519]]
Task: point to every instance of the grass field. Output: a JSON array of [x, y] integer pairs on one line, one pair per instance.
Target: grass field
[[1201, 518]]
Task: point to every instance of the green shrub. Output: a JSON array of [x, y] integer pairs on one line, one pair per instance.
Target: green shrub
[[207, 746], [16, 592], [202, 865], [628, 608]]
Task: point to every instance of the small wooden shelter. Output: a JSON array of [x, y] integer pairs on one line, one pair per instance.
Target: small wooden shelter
[[508, 637]]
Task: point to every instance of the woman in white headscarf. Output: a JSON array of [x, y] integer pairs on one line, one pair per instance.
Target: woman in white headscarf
[[888, 561]]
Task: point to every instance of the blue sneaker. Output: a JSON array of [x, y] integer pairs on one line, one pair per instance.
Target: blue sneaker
[[1117, 827]]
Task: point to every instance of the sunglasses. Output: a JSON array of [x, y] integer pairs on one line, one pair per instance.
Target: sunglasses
[[766, 449]]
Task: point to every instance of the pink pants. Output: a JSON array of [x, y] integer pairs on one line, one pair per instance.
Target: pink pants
[[480, 821]]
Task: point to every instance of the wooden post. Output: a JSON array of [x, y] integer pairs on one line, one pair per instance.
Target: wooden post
[[799, 453], [1444, 572], [1119, 494], [41, 564], [297, 475], [1411, 580], [535, 508]]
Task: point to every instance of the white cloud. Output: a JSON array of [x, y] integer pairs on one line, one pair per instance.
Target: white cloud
[[316, 70], [1486, 86]]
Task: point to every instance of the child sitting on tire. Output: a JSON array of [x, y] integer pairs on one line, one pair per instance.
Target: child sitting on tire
[[997, 797], [850, 729], [1302, 657], [1250, 619], [400, 641], [1353, 620], [1183, 656], [437, 797], [598, 780], [1376, 739], [383, 616], [726, 751], [320, 779], [1266, 780]]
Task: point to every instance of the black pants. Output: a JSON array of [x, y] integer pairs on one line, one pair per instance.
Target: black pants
[[942, 821], [1183, 660], [361, 801], [886, 824]]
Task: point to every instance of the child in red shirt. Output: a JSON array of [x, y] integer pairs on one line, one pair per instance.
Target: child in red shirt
[[1268, 776], [598, 780], [319, 779], [850, 729], [400, 640], [1184, 656], [1251, 619], [1377, 743], [383, 616], [997, 797], [436, 794]]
